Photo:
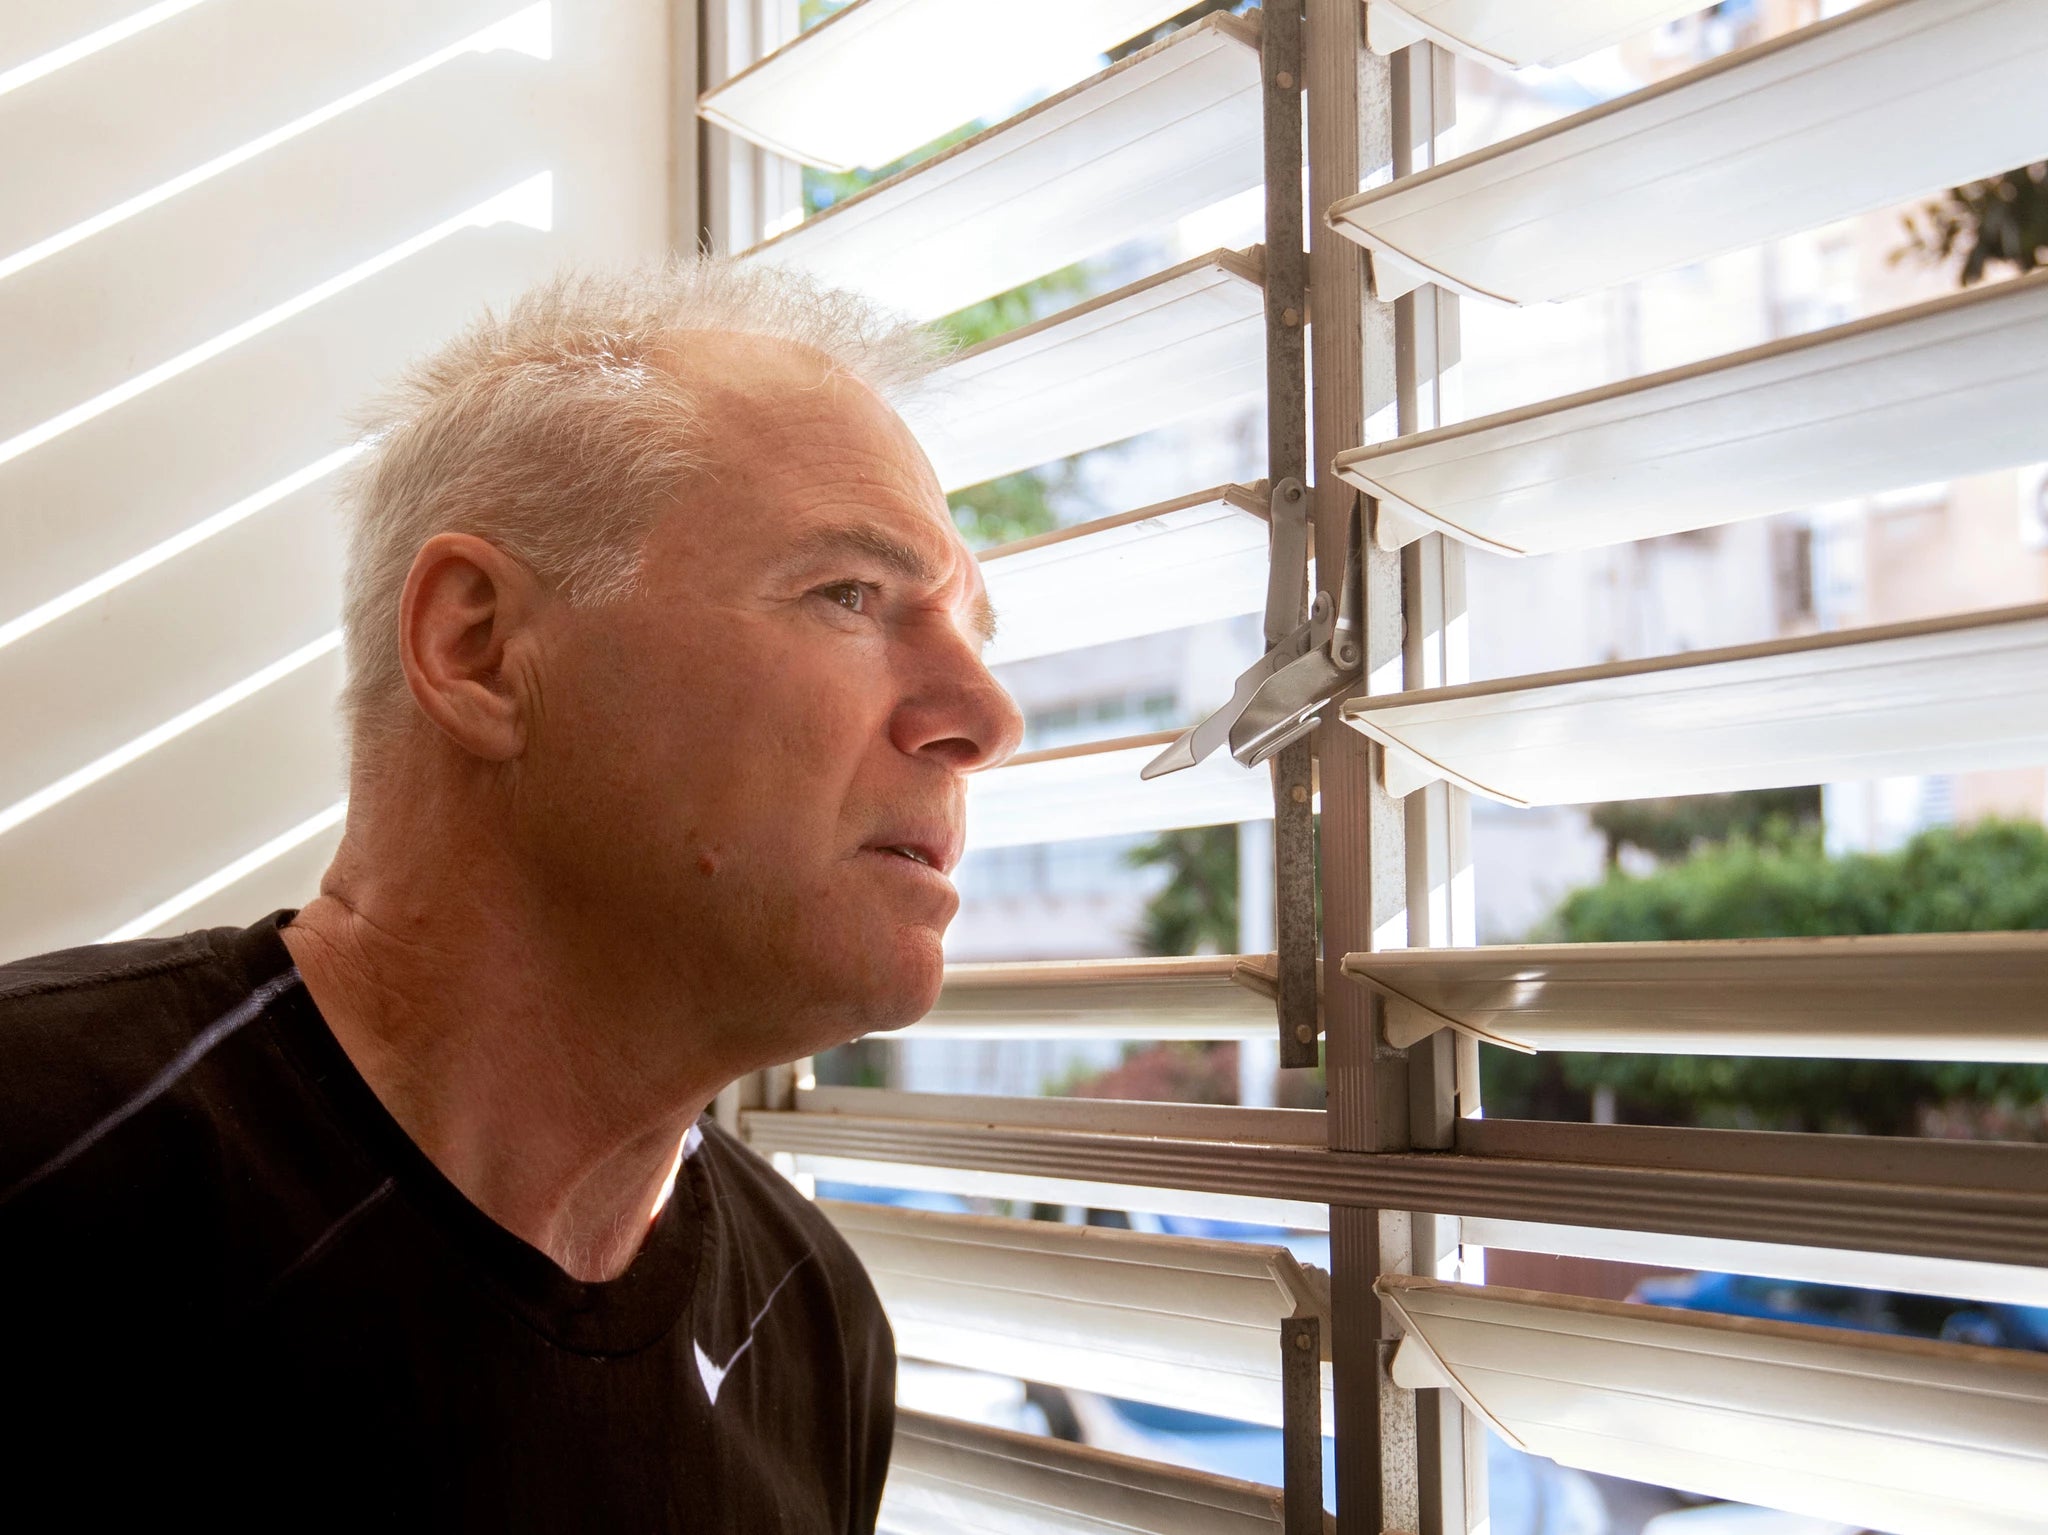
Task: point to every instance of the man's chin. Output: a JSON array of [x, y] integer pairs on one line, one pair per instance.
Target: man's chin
[[904, 991], [869, 972]]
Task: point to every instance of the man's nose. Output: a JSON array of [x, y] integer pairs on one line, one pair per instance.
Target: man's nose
[[958, 712]]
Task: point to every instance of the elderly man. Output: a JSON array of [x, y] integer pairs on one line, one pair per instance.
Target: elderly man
[[665, 680]]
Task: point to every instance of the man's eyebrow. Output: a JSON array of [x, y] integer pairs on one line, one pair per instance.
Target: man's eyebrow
[[905, 560]]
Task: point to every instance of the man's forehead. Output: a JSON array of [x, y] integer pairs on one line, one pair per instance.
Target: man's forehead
[[772, 409], [832, 468], [768, 380]]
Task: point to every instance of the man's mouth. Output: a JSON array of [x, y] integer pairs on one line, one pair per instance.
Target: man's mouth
[[932, 841]]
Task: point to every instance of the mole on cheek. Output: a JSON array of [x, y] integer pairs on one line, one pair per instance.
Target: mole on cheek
[[707, 865]]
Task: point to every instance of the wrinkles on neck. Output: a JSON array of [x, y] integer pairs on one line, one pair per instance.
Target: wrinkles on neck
[[529, 1073]]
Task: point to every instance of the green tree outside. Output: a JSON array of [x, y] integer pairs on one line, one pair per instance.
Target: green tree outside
[[1673, 828], [1196, 911], [2000, 221]]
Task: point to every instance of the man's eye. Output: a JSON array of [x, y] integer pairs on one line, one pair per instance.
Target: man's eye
[[850, 595]]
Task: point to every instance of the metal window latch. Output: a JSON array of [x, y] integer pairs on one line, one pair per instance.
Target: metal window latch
[[1281, 696]]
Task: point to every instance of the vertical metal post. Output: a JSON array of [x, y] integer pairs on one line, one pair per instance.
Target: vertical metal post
[[1287, 459], [1450, 1444], [1433, 600], [1440, 1071], [1301, 1421], [1364, 861], [1294, 867]]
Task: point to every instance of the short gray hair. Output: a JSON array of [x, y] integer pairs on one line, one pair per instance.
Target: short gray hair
[[559, 429]]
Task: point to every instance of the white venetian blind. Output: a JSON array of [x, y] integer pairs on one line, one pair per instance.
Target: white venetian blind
[[1119, 155], [1889, 101]]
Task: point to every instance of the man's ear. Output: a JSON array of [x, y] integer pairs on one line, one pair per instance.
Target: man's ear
[[467, 624]]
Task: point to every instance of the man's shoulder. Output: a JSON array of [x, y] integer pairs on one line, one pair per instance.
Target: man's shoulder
[[748, 1179], [84, 1032], [773, 1208], [77, 975]]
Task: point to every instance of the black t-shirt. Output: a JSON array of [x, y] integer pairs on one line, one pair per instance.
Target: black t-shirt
[[232, 1288]]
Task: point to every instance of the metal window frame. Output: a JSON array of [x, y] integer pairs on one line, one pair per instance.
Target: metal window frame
[[1400, 1160]]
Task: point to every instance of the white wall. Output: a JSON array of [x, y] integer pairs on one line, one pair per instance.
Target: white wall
[[221, 233]]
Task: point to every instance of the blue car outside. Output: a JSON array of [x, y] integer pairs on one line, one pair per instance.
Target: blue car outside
[[1993, 1324]]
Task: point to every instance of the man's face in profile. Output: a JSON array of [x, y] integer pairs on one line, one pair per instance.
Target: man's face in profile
[[754, 764]]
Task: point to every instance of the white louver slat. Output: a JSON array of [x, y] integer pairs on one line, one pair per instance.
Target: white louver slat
[[1160, 135], [1904, 996], [1188, 561], [882, 77], [1952, 387], [1941, 695], [1105, 1191], [1176, 1321], [2001, 1283], [1897, 1434], [952, 1478], [1219, 996], [1891, 101], [846, 1134], [1513, 34], [1189, 339], [1069, 792]]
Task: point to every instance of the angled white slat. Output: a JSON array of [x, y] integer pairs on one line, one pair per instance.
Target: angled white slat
[[947, 1477], [172, 817], [1892, 996], [1105, 1193], [1190, 338], [176, 635], [1940, 695], [1898, 1434], [204, 444], [1179, 1321], [1212, 996], [1188, 561], [833, 1134], [1890, 101], [882, 77], [2005, 1283], [188, 271], [1094, 790], [1953, 387], [213, 84], [1198, 1121], [1514, 34], [1155, 137]]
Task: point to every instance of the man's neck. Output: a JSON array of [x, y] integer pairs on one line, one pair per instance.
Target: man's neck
[[505, 1064]]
